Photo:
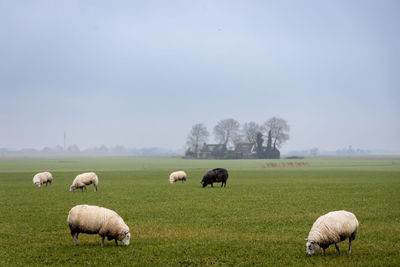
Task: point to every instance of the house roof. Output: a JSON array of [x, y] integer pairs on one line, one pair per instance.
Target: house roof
[[244, 147], [213, 147]]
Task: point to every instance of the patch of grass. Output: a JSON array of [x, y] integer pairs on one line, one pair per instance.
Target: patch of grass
[[260, 218]]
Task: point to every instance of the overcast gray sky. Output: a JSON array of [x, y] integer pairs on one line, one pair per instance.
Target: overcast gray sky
[[141, 73]]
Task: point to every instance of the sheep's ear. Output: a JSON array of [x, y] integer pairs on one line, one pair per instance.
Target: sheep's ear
[[306, 239]]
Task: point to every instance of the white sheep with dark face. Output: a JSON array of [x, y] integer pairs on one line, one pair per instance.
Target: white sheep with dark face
[[177, 176], [42, 178], [84, 179], [98, 220], [331, 228]]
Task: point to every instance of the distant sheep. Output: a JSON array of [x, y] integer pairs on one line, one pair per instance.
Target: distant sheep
[[84, 179], [98, 220], [42, 178], [177, 176], [218, 175], [332, 228]]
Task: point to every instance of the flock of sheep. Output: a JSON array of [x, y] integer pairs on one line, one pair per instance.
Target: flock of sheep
[[90, 219], [328, 229], [80, 181]]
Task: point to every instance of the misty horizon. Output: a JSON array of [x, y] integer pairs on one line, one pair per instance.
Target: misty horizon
[[141, 74], [120, 150]]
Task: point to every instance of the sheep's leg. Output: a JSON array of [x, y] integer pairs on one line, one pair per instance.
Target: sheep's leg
[[337, 248], [116, 242], [323, 251], [102, 241], [75, 237], [212, 185], [350, 245], [82, 189], [85, 188], [95, 188]]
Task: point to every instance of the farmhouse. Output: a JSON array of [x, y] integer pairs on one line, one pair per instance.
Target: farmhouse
[[212, 151], [242, 150]]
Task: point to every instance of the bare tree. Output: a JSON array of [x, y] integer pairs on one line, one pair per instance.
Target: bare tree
[[250, 130], [279, 130], [197, 136], [227, 131]]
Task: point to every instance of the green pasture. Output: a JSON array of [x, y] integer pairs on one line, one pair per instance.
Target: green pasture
[[260, 218], [135, 164]]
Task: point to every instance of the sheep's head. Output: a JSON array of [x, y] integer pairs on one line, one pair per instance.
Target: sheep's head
[[37, 184], [124, 237], [72, 188], [312, 247], [204, 181]]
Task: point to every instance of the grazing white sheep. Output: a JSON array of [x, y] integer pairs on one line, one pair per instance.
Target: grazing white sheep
[[177, 176], [42, 178], [98, 220], [84, 179], [332, 228]]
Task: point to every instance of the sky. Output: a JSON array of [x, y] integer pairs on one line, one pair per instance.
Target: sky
[[141, 73]]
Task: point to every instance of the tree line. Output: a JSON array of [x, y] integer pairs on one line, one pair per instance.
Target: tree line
[[230, 132]]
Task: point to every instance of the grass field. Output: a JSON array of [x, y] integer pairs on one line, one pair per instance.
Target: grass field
[[260, 218], [137, 164]]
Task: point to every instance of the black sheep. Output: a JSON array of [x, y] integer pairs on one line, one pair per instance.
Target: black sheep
[[217, 175]]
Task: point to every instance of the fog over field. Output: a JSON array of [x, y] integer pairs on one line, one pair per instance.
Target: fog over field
[[141, 73]]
